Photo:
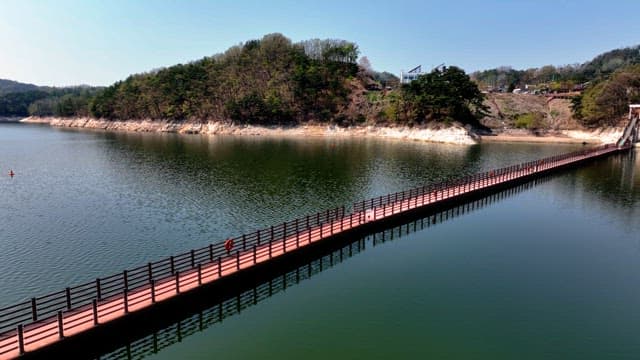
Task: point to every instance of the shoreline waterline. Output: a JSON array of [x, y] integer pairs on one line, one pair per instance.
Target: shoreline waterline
[[454, 134]]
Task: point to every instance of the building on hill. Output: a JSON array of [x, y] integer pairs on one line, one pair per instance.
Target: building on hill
[[409, 76]]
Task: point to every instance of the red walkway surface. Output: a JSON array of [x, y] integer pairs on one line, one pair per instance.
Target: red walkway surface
[[76, 320]]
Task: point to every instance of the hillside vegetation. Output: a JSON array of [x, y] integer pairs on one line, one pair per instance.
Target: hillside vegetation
[[261, 81], [607, 100], [25, 99], [610, 82], [274, 81], [559, 78], [10, 86], [507, 111]]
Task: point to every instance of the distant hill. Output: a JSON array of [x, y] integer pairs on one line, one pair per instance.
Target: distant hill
[[21, 99], [10, 86], [608, 84], [565, 77]]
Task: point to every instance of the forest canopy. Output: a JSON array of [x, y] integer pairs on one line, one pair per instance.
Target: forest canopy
[[444, 94], [605, 101], [265, 81]]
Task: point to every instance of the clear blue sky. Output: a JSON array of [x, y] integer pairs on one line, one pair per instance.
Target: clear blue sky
[[67, 42]]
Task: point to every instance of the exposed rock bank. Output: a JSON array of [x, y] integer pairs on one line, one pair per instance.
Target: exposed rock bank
[[597, 136], [455, 134]]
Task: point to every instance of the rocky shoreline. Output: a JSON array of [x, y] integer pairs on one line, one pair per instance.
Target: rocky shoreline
[[454, 134]]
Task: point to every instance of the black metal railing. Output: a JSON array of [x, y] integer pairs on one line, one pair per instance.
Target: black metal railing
[[45, 306], [449, 188]]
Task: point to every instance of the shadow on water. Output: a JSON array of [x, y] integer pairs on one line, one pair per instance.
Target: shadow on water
[[152, 334], [613, 185]]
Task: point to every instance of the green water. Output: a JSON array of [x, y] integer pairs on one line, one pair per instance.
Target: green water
[[550, 272]]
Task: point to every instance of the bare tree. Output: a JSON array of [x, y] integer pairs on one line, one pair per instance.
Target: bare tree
[[365, 65]]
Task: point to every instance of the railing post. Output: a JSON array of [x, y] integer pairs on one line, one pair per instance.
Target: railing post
[[20, 340], [211, 252], [172, 265], [68, 293], [193, 258], [60, 325], [219, 267], [284, 244], [237, 260], [94, 307], [98, 289], [34, 311], [244, 242], [177, 282], [149, 271], [255, 254], [153, 291], [270, 249], [126, 292], [199, 274]]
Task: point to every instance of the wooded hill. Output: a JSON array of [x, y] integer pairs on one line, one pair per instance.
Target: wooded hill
[[20, 99], [261, 81], [610, 82], [559, 77], [275, 81]]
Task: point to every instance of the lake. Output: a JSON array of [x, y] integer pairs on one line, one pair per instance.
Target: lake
[[551, 271]]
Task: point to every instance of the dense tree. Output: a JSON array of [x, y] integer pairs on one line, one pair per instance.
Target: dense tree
[[264, 81], [64, 102], [17, 103], [19, 99], [445, 93], [607, 100]]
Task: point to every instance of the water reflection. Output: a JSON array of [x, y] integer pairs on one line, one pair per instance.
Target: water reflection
[[89, 203], [232, 304], [610, 185]]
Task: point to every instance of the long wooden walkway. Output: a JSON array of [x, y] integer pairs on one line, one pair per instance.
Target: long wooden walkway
[[45, 320]]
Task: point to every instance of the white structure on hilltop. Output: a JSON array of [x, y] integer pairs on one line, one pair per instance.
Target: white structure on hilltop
[[407, 77]]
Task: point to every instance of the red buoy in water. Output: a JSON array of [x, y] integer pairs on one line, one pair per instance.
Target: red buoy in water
[[11, 173]]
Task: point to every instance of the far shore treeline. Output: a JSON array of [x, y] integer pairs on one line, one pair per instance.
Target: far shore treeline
[[273, 81]]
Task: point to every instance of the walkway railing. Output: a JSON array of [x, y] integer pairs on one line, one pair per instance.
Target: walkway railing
[[41, 320], [446, 189], [15, 317]]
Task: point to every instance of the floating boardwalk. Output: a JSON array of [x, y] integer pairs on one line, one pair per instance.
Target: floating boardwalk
[[42, 321]]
